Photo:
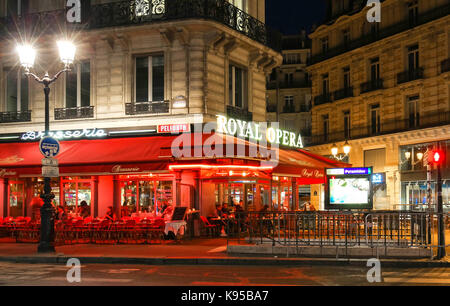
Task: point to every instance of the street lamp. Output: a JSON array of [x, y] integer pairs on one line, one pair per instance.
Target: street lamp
[[27, 55], [335, 151]]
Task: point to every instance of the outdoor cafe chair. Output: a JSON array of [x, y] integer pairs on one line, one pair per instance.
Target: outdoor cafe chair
[[208, 228]]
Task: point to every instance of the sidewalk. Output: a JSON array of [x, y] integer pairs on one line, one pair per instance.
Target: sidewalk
[[190, 252]]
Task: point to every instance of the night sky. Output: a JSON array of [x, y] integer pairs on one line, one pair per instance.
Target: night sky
[[289, 16]]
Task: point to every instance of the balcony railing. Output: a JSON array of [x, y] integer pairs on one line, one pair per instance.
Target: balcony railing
[[143, 108], [386, 127], [287, 85], [239, 113], [322, 99], [372, 85], [8, 117], [74, 113], [289, 109], [343, 93], [367, 39], [410, 75], [129, 13], [271, 109], [445, 65]]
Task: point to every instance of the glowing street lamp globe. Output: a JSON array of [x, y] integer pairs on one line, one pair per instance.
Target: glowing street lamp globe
[[27, 55], [334, 150], [66, 52], [347, 148]]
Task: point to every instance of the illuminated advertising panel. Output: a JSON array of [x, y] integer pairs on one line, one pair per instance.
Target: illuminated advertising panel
[[349, 188]]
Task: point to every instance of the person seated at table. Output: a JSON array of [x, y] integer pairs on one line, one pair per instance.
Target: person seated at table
[[218, 213], [263, 211], [225, 210], [84, 210], [124, 211], [168, 212], [61, 214], [110, 215], [164, 207]]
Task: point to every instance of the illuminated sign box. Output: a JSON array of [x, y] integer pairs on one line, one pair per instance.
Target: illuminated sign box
[[349, 188]]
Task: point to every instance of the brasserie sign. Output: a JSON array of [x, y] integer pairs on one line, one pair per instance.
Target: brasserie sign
[[258, 132]]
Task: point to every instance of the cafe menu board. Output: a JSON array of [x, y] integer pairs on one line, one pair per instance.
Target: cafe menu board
[[349, 188], [179, 213]]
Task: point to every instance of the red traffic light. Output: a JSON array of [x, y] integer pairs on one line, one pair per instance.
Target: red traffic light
[[437, 157]]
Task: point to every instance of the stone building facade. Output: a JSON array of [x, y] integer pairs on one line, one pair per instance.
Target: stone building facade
[[384, 87], [289, 88]]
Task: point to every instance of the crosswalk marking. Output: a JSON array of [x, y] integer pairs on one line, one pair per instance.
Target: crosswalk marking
[[417, 280], [218, 249]]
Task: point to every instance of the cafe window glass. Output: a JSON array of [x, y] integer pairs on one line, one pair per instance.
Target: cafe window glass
[[149, 78], [76, 190], [16, 198], [145, 195], [16, 7]]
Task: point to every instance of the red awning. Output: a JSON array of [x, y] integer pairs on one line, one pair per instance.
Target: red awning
[[122, 155], [145, 154]]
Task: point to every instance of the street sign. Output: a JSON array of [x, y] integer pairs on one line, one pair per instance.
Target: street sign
[[49, 171], [49, 161], [49, 146]]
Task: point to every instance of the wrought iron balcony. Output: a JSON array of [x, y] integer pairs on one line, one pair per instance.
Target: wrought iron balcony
[[386, 127], [8, 117], [289, 109], [142, 108], [343, 93], [239, 113], [129, 13], [445, 65], [271, 108], [372, 85], [74, 113], [410, 75], [288, 85], [385, 32], [322, 99]]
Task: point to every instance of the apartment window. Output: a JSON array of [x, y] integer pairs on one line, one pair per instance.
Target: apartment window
[[413, 12], [289, 78], [413, 111], [326, 127], [16, 7], [347, 125], [16, 91], [375, 69], [289, 102], [325, 84], [149, 78], [375, 120], [413, 58], [346, 37], [324, 45], [238, 86], [289, 125], [346, 75], [78, 85]]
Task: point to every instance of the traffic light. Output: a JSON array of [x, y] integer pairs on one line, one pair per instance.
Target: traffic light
[[437, 157]]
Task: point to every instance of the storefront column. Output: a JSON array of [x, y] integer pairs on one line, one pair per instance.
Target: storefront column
[[4, 197], [197, 190], [270, 194], [94, 197], [294, 194], [178, 189], [116, 195]]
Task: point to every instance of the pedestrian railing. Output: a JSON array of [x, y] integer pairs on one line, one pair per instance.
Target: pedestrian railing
[[341, 229]]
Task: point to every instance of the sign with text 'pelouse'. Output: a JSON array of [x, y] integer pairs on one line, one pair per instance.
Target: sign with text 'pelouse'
[[258, 132], [174, 128]]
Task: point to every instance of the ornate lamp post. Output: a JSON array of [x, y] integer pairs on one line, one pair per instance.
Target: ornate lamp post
[[27, 56]]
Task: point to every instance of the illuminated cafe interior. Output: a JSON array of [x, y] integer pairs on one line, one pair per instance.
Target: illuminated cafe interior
[[106, 172]]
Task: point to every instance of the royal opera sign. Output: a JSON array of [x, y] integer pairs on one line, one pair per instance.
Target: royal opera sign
[[258, 132]]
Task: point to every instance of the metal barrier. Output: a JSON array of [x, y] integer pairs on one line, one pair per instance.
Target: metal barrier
[[398, 229]]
